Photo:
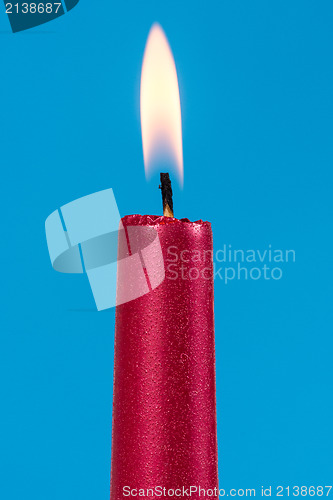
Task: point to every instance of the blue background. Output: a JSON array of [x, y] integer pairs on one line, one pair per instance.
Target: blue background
[[256, 90]]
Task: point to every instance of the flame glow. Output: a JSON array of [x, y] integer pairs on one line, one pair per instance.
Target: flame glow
[[160, 106]]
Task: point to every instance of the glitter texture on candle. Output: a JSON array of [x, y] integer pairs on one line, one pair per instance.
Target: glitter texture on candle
[[164, 410]]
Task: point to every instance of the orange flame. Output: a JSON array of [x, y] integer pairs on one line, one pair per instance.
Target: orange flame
[[161, 125]]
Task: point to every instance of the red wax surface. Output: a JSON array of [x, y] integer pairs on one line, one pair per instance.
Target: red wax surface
[[164, 408]]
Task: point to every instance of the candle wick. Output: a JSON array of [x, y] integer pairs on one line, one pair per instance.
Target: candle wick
[[166, 188]]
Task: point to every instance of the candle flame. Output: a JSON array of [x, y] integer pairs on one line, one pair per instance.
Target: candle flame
[[161, 125]]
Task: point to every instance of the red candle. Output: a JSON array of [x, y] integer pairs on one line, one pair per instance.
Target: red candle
[[164, 409]]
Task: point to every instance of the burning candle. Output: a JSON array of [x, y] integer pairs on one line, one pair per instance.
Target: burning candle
[[164, 410]]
